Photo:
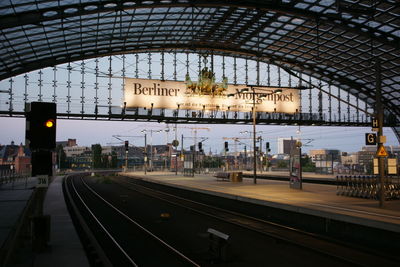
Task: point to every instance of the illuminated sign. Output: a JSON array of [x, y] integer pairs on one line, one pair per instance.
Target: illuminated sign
[[145, 93]]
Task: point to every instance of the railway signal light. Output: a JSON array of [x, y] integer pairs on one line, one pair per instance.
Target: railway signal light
[[267, 147], [50, 123], [126, 145], [41, 125]]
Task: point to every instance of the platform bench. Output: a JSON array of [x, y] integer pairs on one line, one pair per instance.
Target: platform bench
[[223, 176]]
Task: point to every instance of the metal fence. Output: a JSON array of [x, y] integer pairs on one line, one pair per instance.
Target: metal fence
[[10, 177], [367, 186]]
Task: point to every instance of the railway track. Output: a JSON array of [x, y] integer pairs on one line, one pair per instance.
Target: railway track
[[122, 241], [273, 240], [341, 251]]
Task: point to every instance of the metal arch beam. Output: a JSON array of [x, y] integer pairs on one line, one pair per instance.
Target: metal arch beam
[[200, 45], [228, 50], [279, 61], [351, 84], [116, 7], [212, 30], [396, 131], [386, 103], [219, 48], [329, 78], [80, 9]]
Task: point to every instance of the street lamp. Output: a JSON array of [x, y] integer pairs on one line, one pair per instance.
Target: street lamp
[[256, 97]]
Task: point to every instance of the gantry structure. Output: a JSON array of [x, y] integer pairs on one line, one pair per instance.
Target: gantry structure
[[347, 43]]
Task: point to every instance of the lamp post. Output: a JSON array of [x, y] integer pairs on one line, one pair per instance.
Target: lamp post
[[245, 148], [145, 151], [254, 138], [167, 158], [151, 148], [256, 98]]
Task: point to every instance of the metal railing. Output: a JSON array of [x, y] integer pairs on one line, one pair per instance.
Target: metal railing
[[367, 186], [10, 177]]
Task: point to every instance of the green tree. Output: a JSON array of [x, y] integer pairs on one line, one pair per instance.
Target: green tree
[[114, 160], [307, 164], [212, 162], [96, 153], [105, 163], [282, 164]]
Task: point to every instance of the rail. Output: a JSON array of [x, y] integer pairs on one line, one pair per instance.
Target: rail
[[110, 229], [320, 244]]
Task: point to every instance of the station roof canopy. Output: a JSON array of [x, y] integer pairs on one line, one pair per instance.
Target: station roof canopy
[[339, 41]]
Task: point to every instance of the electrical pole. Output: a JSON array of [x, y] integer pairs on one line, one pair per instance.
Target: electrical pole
[[245, 157], [379, 115], [126, 160], [145, 153], [261, 155], [182, 155], [176, 150], [254, 139]]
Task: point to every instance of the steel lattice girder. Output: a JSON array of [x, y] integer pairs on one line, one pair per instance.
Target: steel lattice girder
[[337, 41]]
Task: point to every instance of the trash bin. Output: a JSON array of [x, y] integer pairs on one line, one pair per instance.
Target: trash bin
[[236, 177]]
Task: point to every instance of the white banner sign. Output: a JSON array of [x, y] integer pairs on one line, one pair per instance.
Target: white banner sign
[[144, 93]]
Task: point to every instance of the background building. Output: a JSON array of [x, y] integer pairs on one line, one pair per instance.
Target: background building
[[325, 159], [285, 145], [15, 158]]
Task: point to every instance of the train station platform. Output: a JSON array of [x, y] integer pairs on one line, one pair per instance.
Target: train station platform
[[314, 199], [17, 201], [65, 248], [15, 198]]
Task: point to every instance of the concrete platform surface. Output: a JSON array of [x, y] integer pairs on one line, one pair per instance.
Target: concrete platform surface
[[65, 247], [14, 197], [313, 199]]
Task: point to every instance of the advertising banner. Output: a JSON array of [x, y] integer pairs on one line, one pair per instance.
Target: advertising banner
[[157, 94]]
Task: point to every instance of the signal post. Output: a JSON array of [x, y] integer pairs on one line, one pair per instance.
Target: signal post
[[41, 118]]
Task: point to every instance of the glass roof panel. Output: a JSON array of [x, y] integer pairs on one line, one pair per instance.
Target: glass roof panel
[[322, 37]]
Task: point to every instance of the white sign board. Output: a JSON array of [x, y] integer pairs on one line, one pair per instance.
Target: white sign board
[[392, 166], [146, 93], [376, 168], [188, 164], [42, 181]]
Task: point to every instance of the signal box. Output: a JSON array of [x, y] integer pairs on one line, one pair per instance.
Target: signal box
[[41, 121]]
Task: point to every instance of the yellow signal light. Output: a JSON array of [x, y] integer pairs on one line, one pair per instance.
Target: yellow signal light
[[49, 123]]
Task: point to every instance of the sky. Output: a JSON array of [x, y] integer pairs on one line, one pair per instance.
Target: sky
[[346, 139]]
